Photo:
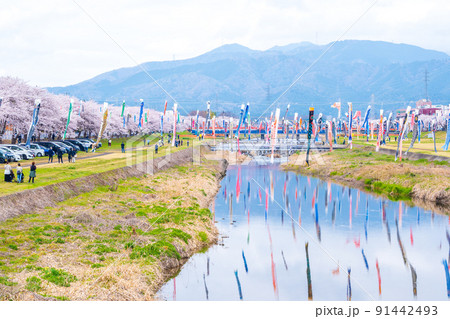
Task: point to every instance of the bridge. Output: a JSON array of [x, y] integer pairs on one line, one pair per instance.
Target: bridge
[[283, 146]]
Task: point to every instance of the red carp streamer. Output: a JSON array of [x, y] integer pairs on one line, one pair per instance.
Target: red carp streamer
[[238, 185], [296, 193], [329, 191], [379, 277], [260, 197], [336, 271], [267, 200], [411, 235], [274, 274], [313, 199], [357, 242]]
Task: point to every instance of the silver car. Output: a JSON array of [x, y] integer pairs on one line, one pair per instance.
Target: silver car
[[23, 152], [15, 156]]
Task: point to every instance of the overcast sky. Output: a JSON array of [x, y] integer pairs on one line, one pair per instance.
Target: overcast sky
[[54, 43]]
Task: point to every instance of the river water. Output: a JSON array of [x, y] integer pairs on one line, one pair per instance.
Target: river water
[[360, 247]]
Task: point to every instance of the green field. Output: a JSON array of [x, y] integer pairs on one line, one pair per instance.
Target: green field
[[104, 159]]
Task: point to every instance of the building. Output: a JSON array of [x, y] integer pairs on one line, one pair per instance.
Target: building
[[424, 103]]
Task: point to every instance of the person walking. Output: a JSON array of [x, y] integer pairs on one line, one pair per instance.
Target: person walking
[[8, 172], [122, 146], [51, 152], [109, 142], [74, 155], [19, 173], [32, 172], [60, 156]]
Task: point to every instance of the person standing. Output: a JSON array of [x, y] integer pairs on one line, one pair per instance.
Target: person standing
[[32, 172], [50, 155], [74, 155], [69, 156], [122, 146], [8, 171], [19, 173], [60, 156]]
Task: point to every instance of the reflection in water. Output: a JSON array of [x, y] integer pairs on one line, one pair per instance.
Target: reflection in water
[[308, 273], [206, 287], [379, 277], [332, 219], [414, 280], [245, 261], [238, 284], [349, 285], [447, 276]]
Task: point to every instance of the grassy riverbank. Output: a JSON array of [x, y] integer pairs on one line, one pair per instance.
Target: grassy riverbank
[[118, 242], [104, 159], [420, 180]]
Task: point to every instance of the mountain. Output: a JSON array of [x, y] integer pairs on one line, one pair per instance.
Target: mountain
[[388, 75]]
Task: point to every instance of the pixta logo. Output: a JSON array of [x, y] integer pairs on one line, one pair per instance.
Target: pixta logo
[[141, 156]]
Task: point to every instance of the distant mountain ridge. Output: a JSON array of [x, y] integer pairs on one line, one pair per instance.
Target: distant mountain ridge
[[387, 74]]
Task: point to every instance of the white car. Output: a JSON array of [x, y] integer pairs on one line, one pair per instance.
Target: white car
[[86, 142], [35, 149], [5, 150], [23, 152]]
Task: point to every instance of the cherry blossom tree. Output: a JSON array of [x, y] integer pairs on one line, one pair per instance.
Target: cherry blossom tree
[[18, 99]]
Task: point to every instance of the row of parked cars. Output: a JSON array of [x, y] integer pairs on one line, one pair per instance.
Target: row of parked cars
[[16, 153]]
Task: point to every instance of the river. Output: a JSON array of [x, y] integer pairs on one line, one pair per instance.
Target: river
[[360, 247]]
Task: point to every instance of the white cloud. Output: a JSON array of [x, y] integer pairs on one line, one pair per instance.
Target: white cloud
[[53, 42]]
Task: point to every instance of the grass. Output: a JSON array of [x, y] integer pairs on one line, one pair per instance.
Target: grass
[[33, 284], [49, 174], [380, 173], [157, 249], [426, 145], [58, 277], [393, 191], [203, 237], [133, 225], [5, 281]]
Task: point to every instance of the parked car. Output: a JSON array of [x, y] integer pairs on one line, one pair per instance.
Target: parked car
[[83, 146], [23, 152], [53, 146], [45, 149], [65, 146], [86, 142], [92, 142], [68, 143], [37, 149], [10, 156]]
